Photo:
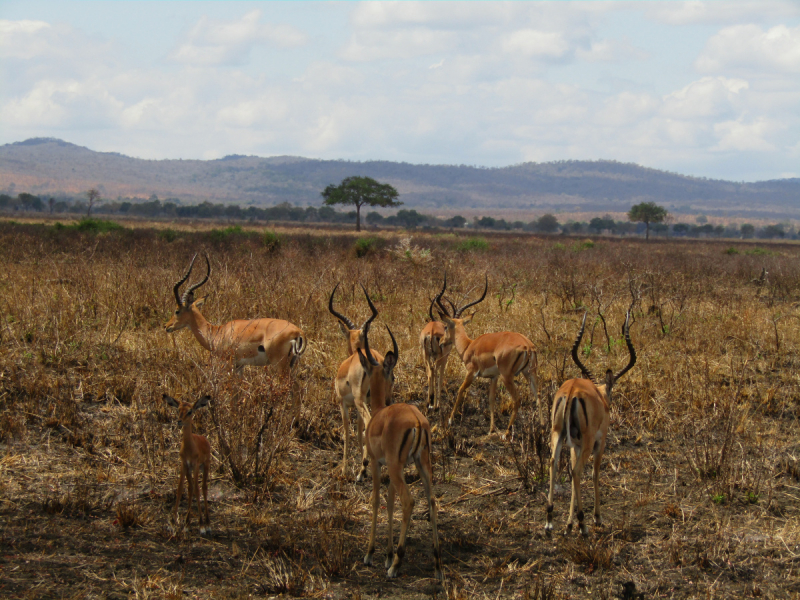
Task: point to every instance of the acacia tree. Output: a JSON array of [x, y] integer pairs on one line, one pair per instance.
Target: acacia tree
[[361, 191], [647, 212], [94, 197]]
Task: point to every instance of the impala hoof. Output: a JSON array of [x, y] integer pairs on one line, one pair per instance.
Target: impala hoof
[[392, 572], [368, 559]]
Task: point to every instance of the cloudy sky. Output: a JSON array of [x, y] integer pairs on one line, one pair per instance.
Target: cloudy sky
[[701, 88]]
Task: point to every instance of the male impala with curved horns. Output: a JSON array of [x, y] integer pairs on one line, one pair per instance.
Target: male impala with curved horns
[[257, 342], [435, 352], [396, 436], [352, 384], [580, 419], [492, 355]]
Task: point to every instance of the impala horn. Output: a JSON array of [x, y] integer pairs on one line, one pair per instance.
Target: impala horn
[[460, 311], [181, 281], [189, 295], [626, 331], [575, 346], [341, 317]]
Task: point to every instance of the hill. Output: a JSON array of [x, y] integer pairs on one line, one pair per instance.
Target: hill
[[52, 167]]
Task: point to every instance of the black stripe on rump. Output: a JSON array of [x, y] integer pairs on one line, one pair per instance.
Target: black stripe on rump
[[403, 445]]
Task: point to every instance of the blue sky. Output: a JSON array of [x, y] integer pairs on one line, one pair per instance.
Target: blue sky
[[701, 88]]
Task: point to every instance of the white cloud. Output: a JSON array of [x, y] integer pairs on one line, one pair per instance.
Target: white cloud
[[23, 39], [715, 13], [532, 43], [743, 136], [400, 44], [212, 43], [707, 97], [749, 47]]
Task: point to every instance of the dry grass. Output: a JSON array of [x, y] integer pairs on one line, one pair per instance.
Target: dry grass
[[700, 484]]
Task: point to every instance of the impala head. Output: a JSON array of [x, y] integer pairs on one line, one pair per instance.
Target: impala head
[[186, 409], [381, 374], [183, 313], [352, 333], [455, 318], [610, 378]]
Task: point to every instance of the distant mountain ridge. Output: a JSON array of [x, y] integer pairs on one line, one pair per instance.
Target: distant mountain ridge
[[53, 167]]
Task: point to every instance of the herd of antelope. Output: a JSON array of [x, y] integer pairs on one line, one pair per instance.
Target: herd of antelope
[[395, 435]]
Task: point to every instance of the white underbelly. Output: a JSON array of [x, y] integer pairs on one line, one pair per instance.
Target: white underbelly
[[491, 372]]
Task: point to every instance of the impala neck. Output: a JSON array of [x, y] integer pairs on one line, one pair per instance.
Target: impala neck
[[204, 331], [462, 340], [187, 433]]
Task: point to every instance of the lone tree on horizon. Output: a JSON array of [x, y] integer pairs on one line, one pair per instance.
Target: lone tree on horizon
[[647, 212], [93, 196], [361, 191]]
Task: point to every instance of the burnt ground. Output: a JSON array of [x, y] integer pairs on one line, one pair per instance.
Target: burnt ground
[[79, 521]]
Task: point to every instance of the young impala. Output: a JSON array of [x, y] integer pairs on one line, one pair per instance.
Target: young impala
[[492, 355], [352, 383], [250, 341], [580, 420], [195, 451], [435, 353], [396, 436]]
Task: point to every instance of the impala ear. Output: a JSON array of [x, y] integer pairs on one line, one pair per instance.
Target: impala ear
[[345, 329], [445, 318], [389, 363], [467, 320], [201, 402], [199, 302], [171, 401]]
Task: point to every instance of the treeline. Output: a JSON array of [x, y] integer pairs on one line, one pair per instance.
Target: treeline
[[406, 218]]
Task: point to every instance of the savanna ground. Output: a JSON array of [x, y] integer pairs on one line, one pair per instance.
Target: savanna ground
[[700, 484]]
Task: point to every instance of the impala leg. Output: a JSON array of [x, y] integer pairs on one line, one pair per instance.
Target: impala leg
[[429, 372], [492, 395], [390, 524], [425, 473], [596, 479], [534, 385], [556, 443], [440, 366], [396, 477], [462, 392], [178, 494], [376, 484], [346, 427], [205, 495], [508, 381], [190, 484], [197, 495], [364, 458]]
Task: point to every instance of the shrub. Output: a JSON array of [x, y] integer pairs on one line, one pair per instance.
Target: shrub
[[97, 225], [473, 244], [731, 251], [365, 246], [271, 240], [168, 235]]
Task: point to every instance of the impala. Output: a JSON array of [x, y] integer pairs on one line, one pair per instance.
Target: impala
[[352, 384], [396, 435], [580, 420], [195, 451], [435, 352], [250, 341], [492, 355]]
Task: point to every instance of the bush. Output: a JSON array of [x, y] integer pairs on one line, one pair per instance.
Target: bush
[[168, 235], [731, 251], [97, 225], [271, 240], [365, 246], [473, 244]]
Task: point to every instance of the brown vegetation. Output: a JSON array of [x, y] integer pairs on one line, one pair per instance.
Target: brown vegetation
[[700, 481]]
